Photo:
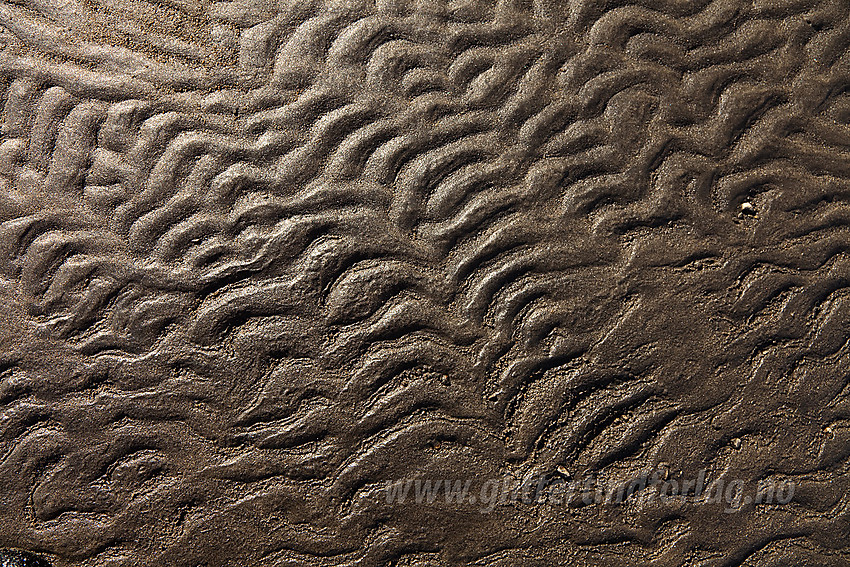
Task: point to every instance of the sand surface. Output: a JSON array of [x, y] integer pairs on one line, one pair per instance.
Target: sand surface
[[262, 262]]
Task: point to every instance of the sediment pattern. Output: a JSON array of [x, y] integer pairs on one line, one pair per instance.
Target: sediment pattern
[[258, 258]]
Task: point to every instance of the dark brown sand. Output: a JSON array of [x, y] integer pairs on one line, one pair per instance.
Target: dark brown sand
[[264, 263]]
